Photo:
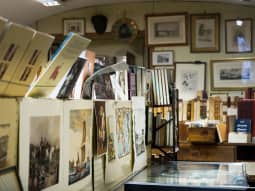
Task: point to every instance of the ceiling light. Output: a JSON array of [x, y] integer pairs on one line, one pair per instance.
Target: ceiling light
[[49, 3], [239, 22]]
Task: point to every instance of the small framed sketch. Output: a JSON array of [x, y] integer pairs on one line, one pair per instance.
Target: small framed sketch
[[238, 35], [167, 29], [162, 58], [205, 32], [232, 74], [190, 77], [74, 25]]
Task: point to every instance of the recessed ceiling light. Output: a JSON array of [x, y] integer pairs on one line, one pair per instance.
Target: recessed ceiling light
[[49, 3]]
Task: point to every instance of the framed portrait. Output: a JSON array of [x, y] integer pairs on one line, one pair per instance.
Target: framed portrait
[[205, 32], [74, 25], [190, 77], [232, 74], [238, 35], [167, 29], [162, 58]]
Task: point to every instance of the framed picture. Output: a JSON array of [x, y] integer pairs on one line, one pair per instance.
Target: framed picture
[[9, 180], [74, 25], [232, 74], [205, 32], [190, 77], [162, 58], [238, 35], [169, 29]]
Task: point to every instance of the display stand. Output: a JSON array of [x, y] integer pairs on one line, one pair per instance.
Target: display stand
[[168, 151]]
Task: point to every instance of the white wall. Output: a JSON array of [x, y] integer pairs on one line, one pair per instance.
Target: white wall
[[136, 11]]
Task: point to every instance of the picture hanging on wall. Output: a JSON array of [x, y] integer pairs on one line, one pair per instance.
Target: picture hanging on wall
[[162, 58], [76, 25], [232, 74], [190, 77], [238, 35], [205, 32], [167, 29]]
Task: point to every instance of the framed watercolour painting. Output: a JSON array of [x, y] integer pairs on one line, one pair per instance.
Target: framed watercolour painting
[[74, 25], [162, 58], [205, 32], [190, 78], [232, 74], [238, 35], [168, 29]]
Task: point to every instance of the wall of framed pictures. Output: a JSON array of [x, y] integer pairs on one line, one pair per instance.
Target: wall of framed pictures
[[174, 31]]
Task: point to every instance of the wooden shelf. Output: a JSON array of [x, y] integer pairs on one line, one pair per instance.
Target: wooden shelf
[[95, 36]]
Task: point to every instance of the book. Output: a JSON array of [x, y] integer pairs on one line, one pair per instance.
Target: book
[[243, 125], [60, 63], [246, 110], [13, 45], [132, 84], [222, 132], [33, 59]]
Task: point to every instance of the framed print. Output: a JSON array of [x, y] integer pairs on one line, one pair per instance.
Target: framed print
[[74, 25], [169, 29], [190, 77], [232, 74], [162, 58], [205, 32], [238, 35]]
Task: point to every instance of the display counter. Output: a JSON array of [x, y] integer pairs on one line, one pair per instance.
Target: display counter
[[180, 175]]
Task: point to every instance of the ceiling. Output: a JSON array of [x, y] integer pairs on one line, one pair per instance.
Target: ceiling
[[28, 11]]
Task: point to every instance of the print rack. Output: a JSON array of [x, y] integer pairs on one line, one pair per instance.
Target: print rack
[[165, 117]]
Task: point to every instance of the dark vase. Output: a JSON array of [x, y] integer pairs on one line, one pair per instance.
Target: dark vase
[[99, 22]]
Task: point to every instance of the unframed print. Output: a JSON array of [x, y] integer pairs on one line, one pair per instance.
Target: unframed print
[[44, 152], [79, 144], [8, 132], [140, 154], [101, 134], [123, 131], [40, 144], [122, 166], [77, 159]]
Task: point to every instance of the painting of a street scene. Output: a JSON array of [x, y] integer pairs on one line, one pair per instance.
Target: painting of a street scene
[[80, 144], [123, 116], [44, 152]]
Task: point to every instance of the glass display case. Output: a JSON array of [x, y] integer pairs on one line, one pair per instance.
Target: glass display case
[[180, 175]]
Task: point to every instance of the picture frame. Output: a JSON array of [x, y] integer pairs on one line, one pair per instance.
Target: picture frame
[[76, 25], [232, 74], [9, 179], [162, 58], [205, 32], [166, 29], [190, 77], [238, 35]]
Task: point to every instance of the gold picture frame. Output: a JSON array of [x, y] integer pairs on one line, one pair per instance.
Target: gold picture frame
[[205, 32], [232, 74], [238, 35], [166, 29]]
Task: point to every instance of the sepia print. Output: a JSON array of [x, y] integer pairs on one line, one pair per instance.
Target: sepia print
[[123, 116], [139, 142], [80, 144], [167, 29], [101, 135], [111, 149], [4, 140], [235, 74], [44, 152]]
